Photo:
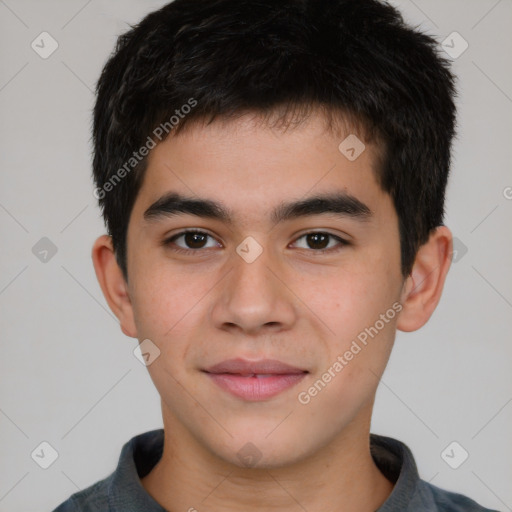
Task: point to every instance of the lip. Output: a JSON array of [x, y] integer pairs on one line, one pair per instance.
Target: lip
[[262, 366], [255, 380]]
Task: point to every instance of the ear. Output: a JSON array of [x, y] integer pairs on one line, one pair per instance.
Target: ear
[[113, 284], [423, 287]]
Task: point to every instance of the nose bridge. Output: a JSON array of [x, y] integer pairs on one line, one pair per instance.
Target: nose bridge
[[251, 275], [253, 297]]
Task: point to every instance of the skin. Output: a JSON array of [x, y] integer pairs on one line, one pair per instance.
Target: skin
[[290, 304]]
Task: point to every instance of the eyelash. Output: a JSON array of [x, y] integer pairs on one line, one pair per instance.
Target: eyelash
[[169, 241]]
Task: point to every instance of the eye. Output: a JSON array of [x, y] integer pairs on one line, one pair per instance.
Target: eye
[[320, 241], [191, 241]]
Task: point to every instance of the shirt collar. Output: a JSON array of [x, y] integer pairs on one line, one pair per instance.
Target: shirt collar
[[138, 456], [396, 462]]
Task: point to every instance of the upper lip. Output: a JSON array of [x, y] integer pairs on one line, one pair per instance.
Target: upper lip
[[261, 367]]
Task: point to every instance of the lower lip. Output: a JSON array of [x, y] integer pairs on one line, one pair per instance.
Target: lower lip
[[255, 388]]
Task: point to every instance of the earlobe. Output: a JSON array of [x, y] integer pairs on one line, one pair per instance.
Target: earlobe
[[113, 284], [423, 287]]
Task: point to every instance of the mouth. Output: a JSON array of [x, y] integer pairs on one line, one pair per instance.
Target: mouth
[[255, 380], [241, 366]]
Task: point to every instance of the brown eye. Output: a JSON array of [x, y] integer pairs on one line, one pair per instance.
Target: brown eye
[[317, 240], [191, 241], [195, 240], [320, 241]]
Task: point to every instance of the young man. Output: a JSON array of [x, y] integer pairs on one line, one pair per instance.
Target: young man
[[272, 177]]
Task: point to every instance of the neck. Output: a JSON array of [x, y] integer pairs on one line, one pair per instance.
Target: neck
[[342, 476]]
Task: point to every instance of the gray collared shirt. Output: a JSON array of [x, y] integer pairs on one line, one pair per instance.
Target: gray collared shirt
[[122, 491]]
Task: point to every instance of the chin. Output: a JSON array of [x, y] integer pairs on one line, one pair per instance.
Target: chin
[[259, 450]]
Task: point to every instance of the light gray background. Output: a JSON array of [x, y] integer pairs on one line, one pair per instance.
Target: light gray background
[[68, 374]]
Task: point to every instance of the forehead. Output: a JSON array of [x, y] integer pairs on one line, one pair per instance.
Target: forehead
[[251, 167]]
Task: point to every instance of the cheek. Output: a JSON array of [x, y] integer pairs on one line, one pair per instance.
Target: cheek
[[163, 298], [359, 306], [350, 299], [169, 309]]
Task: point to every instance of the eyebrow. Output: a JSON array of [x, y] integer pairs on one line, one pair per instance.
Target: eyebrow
[[340, 204]]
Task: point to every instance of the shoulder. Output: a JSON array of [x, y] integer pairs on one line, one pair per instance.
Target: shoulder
[[446, 501], [122, 489], [410, 493], [91, 499]]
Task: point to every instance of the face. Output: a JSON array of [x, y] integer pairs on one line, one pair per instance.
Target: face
[[269, 274]]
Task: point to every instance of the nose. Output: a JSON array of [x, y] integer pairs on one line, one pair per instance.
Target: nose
[[255, 297]]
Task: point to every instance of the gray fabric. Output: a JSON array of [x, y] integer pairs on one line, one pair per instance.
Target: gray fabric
[[122, 491]]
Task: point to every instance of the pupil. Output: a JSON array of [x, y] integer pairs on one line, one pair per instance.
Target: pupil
[[318, 240], [194, 240]]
